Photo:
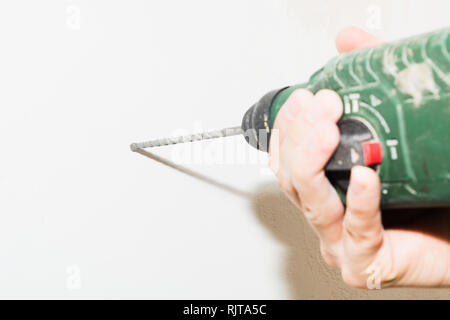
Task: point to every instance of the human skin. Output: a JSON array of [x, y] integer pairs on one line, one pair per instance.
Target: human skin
[[370, 247]]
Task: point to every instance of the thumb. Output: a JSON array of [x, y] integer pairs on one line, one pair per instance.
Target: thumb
[[353, 38], [363, 229]]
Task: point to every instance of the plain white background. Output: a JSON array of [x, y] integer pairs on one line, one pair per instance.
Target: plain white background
[[83, 217]]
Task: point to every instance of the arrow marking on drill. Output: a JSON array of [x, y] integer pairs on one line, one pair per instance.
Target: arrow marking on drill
[[354, 155], [374, 101]]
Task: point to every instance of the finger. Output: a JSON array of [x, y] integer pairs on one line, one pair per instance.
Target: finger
[[284, 181], [314, 126], [353, 38], [363, 230], [298, 100], [320, 202], [283, 124], [331, 102], [325, 105]]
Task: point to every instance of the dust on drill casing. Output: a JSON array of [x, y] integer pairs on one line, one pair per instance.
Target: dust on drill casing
[[396, 118]]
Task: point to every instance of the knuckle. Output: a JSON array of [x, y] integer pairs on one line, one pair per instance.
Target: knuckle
[[285, 185], [301, 176], [288, 188], [373, 241], [355, 233], [306, 177], [290, 191], [318, 218], [332, 95], [349, 226], [365, 242], [352, 279], [307, 182], [328, 257], [331, 137], [366, 237], [313, 216], [299, 95], [332, 103], [325, 92]]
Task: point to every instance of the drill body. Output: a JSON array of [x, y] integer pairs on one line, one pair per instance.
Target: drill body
[[396, 118]]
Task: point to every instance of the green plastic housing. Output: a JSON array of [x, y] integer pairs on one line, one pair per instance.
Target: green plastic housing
[[402, 89]]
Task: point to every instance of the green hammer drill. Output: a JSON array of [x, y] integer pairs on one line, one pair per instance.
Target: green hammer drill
[[396, 119]]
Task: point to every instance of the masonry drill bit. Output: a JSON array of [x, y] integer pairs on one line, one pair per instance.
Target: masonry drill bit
[[227, 132]]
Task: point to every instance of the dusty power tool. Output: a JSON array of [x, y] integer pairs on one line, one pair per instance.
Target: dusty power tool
[[396, 118]]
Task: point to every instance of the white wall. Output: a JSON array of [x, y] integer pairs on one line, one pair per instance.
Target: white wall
[[83, 217]]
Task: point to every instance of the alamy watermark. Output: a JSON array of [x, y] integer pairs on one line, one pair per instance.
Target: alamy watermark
[[73, 279], [227, 151], [73, 19]]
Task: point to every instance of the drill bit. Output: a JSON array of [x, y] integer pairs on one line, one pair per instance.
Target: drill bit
[[227, 132]]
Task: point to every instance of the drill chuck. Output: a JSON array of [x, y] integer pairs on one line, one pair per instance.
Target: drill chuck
[[256, 126]]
